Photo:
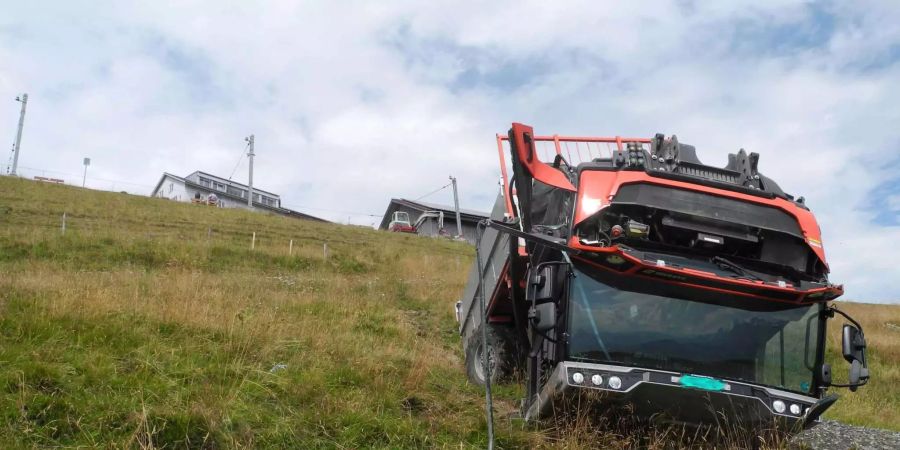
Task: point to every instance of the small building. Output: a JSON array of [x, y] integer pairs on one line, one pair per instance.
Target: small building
[[201, 187], [431, 219]]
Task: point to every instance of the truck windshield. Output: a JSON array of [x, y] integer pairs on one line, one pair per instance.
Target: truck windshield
[[767, 345]]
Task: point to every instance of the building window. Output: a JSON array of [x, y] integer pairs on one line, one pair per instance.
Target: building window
[[219, 186], [235, 191], [205, 182], [171, 186]]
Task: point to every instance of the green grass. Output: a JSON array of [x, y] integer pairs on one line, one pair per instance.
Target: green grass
[[878, 403], [152, 324]]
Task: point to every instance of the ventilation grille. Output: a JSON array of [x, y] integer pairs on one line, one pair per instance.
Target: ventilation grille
[[709, 173]]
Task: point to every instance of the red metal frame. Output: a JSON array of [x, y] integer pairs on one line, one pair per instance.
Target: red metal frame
[[810, 296], [557, 140], [599, 187], [591, 197]]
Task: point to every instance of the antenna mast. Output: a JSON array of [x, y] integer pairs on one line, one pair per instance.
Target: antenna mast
[[15, 164], [250, 139]]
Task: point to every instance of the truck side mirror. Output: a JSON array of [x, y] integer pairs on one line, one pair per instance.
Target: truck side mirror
[[855, 373], [544, 317], [853, 345], [548, 282]]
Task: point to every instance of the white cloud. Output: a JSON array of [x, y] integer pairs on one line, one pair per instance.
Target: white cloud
[[893, 203], [355, 102]]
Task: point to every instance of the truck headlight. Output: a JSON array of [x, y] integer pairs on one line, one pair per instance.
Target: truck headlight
[[795, 409], [778, 406], [597, 380], [615, 382], [578, 378]]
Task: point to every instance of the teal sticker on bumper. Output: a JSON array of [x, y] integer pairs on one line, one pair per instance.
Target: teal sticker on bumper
[[705, 383]]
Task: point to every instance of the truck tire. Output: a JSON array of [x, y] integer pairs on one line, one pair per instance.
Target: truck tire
[[501, 354]]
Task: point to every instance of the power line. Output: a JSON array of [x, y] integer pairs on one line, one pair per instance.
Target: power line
[[338, 211], [35, 169], [434, 191], [354, 213], [240, 158]]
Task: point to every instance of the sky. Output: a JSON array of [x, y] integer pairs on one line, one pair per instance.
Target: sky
[[353, 103]]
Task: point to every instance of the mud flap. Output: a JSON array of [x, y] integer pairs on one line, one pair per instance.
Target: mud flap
[[817, 409]]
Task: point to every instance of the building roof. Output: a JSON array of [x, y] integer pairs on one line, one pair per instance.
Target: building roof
[[163, 178], [448, 208], [466, 215], [275, 209], [233, 183]]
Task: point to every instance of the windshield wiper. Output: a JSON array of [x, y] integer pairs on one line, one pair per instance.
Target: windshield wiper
[[728, 265]]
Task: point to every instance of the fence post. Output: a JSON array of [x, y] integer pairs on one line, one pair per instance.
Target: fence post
[[253, 242], [325, 251], [291, 248], [63, 229]]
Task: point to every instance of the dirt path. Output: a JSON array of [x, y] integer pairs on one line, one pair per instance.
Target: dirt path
[[831, 435]]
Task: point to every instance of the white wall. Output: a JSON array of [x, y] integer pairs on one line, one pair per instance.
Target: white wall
[[174, 189]]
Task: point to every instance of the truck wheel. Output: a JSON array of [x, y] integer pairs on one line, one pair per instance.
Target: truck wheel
[[501, 354]]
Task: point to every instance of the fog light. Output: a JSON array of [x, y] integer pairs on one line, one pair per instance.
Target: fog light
[[795, 409], [597, 380], [615, 382], [578, 378], [779, 406]]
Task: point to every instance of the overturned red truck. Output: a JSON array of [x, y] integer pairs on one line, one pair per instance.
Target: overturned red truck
[[626, 266]]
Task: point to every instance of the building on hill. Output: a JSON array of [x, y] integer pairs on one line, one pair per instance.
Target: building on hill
[[431, 219], [201, 187]]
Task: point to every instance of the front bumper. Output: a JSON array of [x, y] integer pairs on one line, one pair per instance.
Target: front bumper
[[662, 395]]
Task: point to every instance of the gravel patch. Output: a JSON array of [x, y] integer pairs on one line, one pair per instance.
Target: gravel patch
[[831, 435]]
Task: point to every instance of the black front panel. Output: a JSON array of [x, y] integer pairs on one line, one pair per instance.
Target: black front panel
[[707, 206]]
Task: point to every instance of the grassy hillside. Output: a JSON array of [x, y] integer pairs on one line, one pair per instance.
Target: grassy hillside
[[150, 323], [878, 403]]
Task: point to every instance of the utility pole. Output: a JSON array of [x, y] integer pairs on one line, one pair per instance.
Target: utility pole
[[250, 154], [456, 205], [87, 162], [24, 101]]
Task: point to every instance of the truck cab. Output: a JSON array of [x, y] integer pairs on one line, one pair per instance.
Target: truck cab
[[671, 288]]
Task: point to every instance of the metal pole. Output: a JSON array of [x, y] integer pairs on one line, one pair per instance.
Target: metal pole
[[87, 162], [456, 205], [250, 154], [24, 102], [489, 402]]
